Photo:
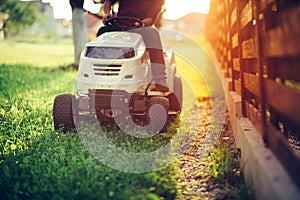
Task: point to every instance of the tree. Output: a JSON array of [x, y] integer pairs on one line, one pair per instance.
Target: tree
[[80, 33], [18, 15]]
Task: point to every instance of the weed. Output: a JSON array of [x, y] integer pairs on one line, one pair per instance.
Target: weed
[[225, 169], [221, 164]]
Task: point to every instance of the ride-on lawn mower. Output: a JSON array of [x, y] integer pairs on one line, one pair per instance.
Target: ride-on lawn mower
[[114, 84]]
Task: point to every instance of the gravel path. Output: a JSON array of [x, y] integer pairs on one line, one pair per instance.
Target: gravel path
[[195, 179]]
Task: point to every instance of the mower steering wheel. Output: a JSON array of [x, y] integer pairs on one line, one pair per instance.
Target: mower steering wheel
[[128, 23]]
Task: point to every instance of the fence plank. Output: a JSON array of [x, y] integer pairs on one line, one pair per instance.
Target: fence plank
[[233, 17], [246, 14], [283, 151], [236, 64], [265, 3], [248, 49], [234, 40], [285, 100], [252, 83], [284, 67], [283, 39]]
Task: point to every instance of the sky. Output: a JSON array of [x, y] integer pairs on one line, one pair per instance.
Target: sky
[[175, 8]]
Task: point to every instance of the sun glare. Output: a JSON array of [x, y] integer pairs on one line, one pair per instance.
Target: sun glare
[[179, 8]]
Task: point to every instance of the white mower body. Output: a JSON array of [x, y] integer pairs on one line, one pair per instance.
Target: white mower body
[[115, 82], [114, 71]]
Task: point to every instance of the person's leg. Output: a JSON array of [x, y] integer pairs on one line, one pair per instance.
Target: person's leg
[[153, 44], [101, 30]]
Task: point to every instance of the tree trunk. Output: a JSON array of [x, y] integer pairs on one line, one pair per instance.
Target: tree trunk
[[3, 20], [80, 33]]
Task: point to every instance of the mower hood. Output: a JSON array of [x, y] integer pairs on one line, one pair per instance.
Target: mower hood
[[117, 39]]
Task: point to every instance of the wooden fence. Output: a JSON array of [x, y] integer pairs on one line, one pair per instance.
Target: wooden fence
[[257, 43]]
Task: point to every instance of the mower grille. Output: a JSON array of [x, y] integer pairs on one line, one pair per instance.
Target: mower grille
[[103, 99], [106, 70]]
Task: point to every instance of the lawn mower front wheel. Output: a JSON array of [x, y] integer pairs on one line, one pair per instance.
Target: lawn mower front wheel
[[63, 112]]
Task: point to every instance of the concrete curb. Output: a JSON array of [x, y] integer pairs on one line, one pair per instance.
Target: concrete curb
[[262, 170]]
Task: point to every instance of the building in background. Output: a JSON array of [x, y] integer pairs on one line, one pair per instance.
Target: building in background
[[190, 24], [47, 25]]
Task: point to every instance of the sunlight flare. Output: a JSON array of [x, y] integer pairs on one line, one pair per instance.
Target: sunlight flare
[[179, 8]]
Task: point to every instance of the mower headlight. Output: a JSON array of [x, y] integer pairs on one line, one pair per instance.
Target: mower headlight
[[110, 52]]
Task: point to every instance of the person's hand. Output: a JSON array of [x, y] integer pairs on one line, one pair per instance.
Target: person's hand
[[147, 21], [137, 24], [105, 17]]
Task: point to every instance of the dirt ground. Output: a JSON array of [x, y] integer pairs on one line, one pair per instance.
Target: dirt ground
[[196, 180]]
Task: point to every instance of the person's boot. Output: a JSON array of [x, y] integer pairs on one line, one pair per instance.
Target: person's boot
[[161, 85], [159, 77]]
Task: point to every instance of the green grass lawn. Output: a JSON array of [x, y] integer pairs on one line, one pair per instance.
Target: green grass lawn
[[37, 162], [37, 52]]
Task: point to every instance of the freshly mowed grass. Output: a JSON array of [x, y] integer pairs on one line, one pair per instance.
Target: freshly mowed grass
[[37, 162]]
